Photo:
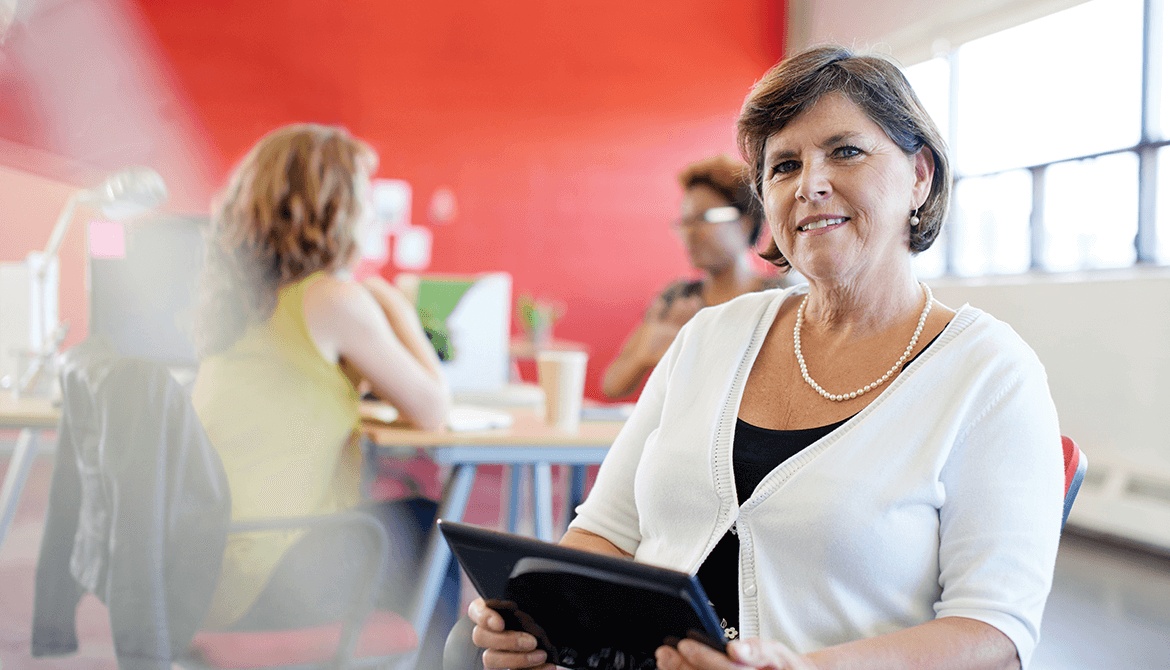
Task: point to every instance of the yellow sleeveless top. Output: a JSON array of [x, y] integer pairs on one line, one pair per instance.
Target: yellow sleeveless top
[[285, 423]]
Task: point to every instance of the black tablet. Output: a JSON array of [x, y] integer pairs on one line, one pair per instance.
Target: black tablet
[[586, 610]]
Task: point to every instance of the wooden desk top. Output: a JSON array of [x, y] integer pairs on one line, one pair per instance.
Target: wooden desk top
[[527, 430], [28, 412]]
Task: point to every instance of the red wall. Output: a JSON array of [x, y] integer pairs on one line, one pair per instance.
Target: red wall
[[559, 125]]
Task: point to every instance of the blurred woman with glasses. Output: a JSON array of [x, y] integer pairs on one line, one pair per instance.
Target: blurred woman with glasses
[[718, 225]]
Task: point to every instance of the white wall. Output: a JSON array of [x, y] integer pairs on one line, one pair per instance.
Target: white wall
[[1104, 339], [910, 30]]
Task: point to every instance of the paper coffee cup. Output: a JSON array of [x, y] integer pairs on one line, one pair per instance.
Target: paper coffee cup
[[562, 376]]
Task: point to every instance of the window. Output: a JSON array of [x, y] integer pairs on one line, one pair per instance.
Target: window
[[1091, 213], [1063, 86], [1162, 230], [991, 224], [1049, 150]]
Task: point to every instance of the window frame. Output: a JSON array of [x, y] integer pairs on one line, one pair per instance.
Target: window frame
[[1146, 150]]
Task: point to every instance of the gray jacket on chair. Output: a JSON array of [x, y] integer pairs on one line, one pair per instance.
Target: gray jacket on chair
[[138, 511]]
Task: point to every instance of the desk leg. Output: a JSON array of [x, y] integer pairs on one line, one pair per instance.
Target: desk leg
[[18, 468], [576, 491], [542, 501], [516, 475], [456, 493]]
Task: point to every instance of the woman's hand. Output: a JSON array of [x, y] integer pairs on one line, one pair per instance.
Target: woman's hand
[[403, 319], [663, 321], [505, 649], [648, 342], [753, 654]]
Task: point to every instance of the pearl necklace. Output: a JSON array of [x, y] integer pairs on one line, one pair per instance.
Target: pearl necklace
[[869, 387]]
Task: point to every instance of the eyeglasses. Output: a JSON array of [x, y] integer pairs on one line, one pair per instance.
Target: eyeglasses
[[724, 214]]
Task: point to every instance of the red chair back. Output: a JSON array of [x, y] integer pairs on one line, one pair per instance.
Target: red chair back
[[1075, 464]]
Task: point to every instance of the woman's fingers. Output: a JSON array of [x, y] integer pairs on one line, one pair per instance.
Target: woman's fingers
[[668, 658], [508, 641], [504, 648], [494, 659], [484, 616], [766, 654], [691, 655], [752, 654]]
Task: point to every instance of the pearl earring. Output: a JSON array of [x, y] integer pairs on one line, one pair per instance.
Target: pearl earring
[[914, 220]]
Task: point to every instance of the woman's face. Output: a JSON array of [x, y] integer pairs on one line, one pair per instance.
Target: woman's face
[[838, 193], [711, 246]]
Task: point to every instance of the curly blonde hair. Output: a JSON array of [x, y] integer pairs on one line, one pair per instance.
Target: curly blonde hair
[[290, 208]]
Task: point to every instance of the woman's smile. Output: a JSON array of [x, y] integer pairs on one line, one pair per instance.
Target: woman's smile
[[821, 224]]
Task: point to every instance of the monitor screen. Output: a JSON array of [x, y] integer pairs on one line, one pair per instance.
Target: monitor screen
[[468, 320], [143, 281]]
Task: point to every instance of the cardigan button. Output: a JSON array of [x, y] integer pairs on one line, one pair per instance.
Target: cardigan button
[[750, 589]]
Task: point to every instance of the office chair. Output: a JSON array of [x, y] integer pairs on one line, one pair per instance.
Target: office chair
[[1075, 464], [139, 513]]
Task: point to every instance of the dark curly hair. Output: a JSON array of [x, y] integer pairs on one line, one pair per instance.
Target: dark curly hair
[[729, 178], [874, 84], [289, 209]]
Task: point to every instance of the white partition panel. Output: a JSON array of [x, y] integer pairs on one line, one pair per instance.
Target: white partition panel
[[1104, 339]]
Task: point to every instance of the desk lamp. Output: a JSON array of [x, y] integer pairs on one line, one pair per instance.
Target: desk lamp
[[123, 195]]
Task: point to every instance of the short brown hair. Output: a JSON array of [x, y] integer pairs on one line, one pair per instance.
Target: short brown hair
[[290, 209], [874, 84], [730, 179]]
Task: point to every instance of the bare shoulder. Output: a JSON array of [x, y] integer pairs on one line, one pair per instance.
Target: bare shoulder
[[389, 296], [333, 299]]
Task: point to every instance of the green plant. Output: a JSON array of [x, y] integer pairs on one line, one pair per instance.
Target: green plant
[[537, 316]]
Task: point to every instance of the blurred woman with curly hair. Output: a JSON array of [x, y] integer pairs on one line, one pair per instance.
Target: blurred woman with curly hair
[[286, 337]]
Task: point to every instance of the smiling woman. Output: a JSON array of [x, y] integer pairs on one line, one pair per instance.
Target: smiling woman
[[860, 476]]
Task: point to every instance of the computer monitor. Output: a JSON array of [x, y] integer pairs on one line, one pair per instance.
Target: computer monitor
[[468, 319], [143, 281]]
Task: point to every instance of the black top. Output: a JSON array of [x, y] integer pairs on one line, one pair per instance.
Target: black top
[[755, 452]]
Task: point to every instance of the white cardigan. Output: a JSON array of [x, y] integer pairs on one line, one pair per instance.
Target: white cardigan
[[942, 497]]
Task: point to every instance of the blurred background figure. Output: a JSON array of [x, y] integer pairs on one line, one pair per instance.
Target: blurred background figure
[[286, 338], [718, 224]]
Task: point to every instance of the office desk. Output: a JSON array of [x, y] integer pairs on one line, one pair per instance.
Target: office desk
[[529, 442], [31, 415]]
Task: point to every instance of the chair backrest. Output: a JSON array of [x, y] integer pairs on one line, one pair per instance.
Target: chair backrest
[[1075, 464], [138, 508]]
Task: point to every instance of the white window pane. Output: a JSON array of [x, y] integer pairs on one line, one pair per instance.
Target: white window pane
[[1162, 218], [1163, 129], [1066, 85], [1090, 213], [931, 81], [990, 224]]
